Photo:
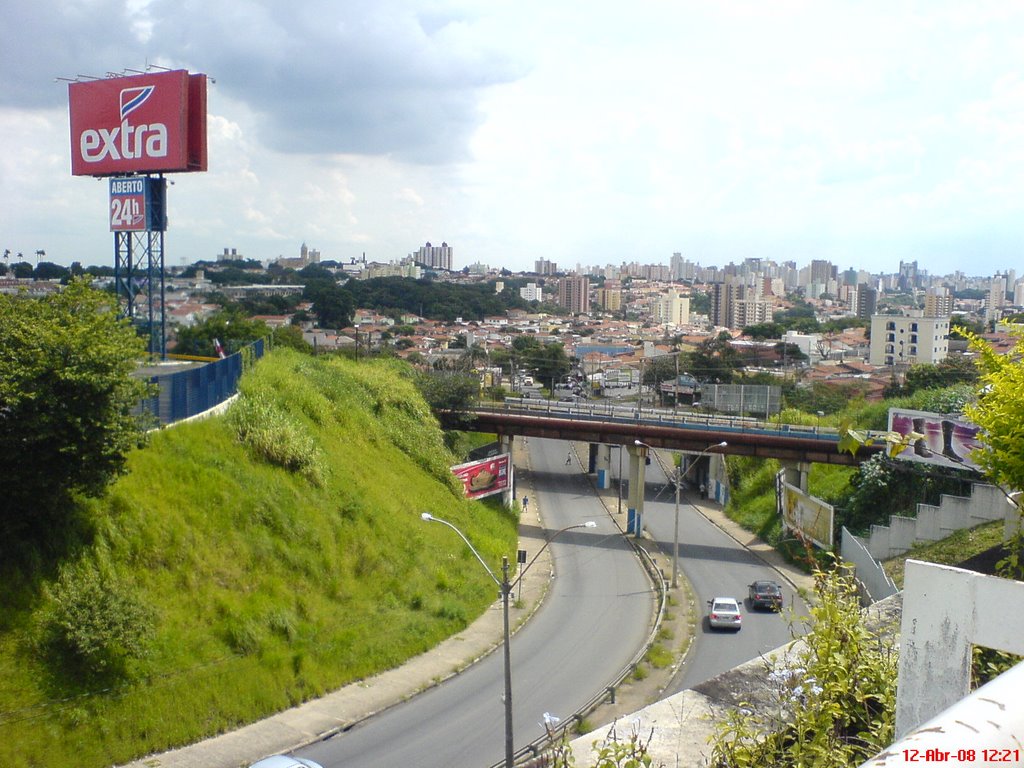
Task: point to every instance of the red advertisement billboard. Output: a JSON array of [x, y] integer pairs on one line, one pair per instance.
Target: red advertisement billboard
[[151, 123], [485, 477]]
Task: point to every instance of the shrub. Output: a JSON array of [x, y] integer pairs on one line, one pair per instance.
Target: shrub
[[275, 436], [94, 622]]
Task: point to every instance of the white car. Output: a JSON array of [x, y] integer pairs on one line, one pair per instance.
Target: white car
[[285, 761], [724, 613]]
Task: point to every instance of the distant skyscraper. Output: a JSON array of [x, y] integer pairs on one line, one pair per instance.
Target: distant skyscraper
[[609, 298], [996, 298], [908, 276], [545, 267], [867, 299], [938, 302], [434, 257], [574, 294]]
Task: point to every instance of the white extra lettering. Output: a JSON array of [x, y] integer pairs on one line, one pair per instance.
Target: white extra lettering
[[135, 142]]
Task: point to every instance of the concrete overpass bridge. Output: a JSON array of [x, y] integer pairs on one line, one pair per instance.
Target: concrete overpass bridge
[[604, 423], [698, 437]]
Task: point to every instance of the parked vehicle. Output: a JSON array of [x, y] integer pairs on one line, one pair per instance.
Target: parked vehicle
[[765, 594], [725, 613]]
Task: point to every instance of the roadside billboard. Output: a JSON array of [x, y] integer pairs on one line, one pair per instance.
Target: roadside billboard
[[149, 123], [485, 477], [947, 441], [812, 518]]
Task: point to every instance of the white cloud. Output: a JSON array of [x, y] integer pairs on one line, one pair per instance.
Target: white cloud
[[578, 131]]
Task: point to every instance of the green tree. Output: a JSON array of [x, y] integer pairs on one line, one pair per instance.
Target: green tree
[[448, 390], [229, 326], [999, 412], [955, 369], [764, 331], [291, 336], [714, 360], [332, 304], [67, 404]]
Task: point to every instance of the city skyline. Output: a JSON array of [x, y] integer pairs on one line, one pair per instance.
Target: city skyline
[[864, 135]]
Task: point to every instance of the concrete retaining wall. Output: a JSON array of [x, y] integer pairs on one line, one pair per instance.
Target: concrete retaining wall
[[986, 503]]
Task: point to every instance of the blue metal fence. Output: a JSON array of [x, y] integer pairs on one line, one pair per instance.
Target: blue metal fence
[[184, 394]]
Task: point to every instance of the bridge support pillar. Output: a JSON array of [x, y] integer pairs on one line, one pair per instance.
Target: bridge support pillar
[[795, 473], [637, 480], [505, 443], [603, 465]]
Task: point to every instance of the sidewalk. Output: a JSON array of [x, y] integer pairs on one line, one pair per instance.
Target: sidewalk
[[338, 711]]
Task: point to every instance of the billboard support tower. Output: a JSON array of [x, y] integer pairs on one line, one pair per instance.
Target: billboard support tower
[[139, 281]]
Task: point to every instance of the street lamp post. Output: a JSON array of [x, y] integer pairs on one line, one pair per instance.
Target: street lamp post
[[505, 587], [679, 480]]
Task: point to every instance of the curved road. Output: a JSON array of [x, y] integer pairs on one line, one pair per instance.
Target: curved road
[[716, 566], [592, 623]]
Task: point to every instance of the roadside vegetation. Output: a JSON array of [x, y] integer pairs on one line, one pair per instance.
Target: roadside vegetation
[[243, 564]]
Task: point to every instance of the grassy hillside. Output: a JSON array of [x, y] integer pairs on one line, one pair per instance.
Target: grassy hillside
[[258, 559]]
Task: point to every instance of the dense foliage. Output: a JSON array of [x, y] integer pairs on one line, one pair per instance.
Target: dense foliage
[[434, 300], [67, 401]]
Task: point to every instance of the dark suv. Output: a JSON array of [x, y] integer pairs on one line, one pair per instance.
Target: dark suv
[[765, 594]]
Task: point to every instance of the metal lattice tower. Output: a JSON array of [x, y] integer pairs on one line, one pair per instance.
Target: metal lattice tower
[[139, 283]]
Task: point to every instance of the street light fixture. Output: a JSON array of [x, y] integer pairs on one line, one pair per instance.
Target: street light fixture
[[506, 587], [679, 480]]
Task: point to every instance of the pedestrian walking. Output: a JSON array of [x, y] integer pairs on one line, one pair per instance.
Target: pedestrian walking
[[703, 491], [568, 459]]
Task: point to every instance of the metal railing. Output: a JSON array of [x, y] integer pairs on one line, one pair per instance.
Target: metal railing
[[610, 413]]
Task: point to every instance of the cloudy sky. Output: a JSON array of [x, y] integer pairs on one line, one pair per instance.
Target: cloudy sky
[[582, 131]]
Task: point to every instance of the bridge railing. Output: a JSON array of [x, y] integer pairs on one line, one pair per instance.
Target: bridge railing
[[610, 412]]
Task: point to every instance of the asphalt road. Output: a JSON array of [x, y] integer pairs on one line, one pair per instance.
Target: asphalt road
[[589, 628], [715, 566]]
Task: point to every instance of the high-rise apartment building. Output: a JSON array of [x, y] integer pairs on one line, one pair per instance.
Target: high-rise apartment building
[[866, 301], [671, 309], [723, 296], [996, 298], [907, 280], [531, 292], [897, 340], [574, 294], [545, 267], [938, 302], [734, 305], [609, 297], [434, 256]]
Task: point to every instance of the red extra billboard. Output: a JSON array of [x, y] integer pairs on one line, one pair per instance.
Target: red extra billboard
[[151, 123], [485, 477]]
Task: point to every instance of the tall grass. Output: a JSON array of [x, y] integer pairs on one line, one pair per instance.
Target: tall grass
[[266, 583]]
